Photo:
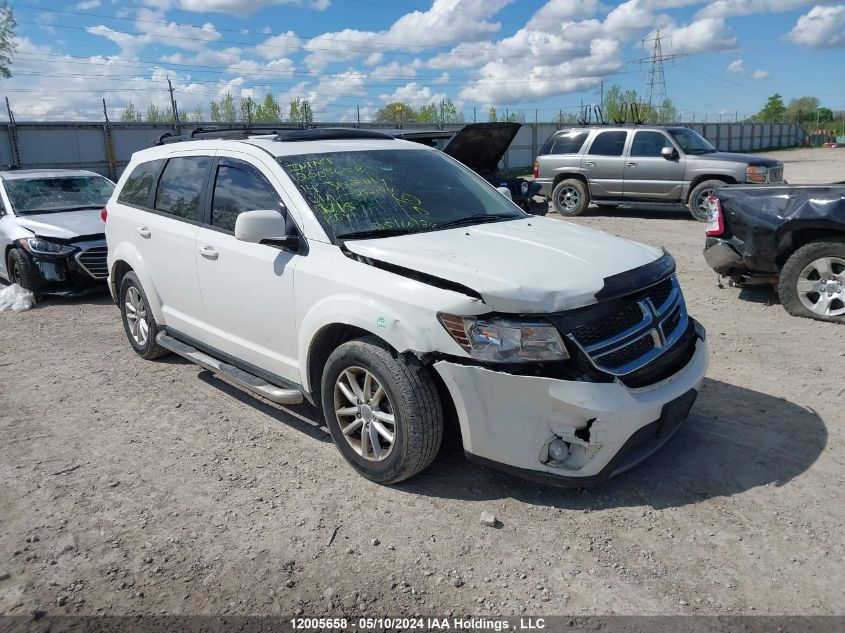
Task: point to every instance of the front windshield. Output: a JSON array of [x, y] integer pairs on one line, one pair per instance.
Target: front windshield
[[692, 142], [389, 192], [66, 193]]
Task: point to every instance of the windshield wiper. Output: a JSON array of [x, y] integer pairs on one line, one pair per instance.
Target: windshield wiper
[[363, 235], [478, 218]]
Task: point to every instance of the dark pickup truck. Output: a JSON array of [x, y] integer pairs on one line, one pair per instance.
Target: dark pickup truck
[[792, 237]]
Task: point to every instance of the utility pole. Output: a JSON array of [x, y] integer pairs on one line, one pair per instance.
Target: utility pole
[[13, 137], [601, 103], [109, 144], [656, 82], [173, 107], [473, 114], [358, 114]]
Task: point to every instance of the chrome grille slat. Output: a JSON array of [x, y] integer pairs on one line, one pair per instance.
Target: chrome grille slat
[[93, 260], [661, 327]]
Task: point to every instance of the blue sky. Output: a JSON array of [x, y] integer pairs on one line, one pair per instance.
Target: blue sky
[[351, 55]]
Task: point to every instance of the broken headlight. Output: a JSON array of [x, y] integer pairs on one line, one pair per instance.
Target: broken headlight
[[40, 246], [502, 340]]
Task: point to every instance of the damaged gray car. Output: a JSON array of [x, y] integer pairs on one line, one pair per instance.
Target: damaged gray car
[[52, 230]]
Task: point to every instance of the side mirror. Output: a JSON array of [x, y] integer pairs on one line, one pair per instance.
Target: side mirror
[[505, 192], [669, 153], [265, 226]]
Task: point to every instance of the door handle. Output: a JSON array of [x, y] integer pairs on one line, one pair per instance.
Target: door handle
[[209, 252], [631, 164], [590, 163], [143, 231]]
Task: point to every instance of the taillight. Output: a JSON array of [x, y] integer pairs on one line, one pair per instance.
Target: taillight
[[536, 169], [716, 219], [104, 214]]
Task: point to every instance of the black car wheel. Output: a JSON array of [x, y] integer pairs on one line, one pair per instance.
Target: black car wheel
[[570, 197], [812, 282], [20, 270]]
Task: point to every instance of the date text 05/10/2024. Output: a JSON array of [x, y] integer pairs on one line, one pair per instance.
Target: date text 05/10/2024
[[418, 623]]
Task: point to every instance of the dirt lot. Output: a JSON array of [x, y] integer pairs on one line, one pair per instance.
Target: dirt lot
[[153, 487], [812, 166]]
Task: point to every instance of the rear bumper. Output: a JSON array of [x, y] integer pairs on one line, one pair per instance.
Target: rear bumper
[[722, 256]]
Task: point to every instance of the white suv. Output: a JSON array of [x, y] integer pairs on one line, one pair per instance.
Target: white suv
[[393, 288]]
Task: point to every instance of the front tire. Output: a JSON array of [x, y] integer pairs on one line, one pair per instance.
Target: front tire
[[812, 282], [570, 197], [138, 320], [385, 416], [697, 203], [19, 270]]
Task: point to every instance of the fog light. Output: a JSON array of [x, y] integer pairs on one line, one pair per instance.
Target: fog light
[[558, 450]]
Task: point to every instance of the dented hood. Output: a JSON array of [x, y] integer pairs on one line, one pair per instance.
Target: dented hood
[[527, 265], [65, 225]]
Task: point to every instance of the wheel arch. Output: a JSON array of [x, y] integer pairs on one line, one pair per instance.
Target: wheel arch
[[570, 175], [728, 180], [792, 236]]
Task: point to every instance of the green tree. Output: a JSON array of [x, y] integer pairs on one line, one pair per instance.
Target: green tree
[[214, 112], [449, 112], [802, 109], [397, 113], [773, 111], [491, 114], [228, 111], [196, 116], [427, 114], [627, 105], [153, 113], [130, 113], [247, 110], [299, 111], [269, 111], [7, 39]]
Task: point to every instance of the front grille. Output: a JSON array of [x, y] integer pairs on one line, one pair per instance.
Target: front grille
[[93, 261], [610, 326], [659, 293], [627, 354], [624, 339], [776, 174]]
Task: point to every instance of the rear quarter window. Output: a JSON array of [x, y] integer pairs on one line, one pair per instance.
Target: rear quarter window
[[564, 142], [136, 190]]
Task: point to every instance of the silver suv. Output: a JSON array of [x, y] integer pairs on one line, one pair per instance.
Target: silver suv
[[613, 165]]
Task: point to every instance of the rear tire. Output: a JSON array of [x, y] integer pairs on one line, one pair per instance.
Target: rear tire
[[812, 282], [384, 415], [570, 197], [138, 320], [697, 203]]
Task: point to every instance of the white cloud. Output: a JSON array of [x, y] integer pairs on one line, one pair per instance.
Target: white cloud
[[279, 45], [736, 67], [395, 70], [550, 15], [87, 5], [413, 94], [445, 23], [822, 27], [727, 8], [700, 36], [244, 7], [760, 74]]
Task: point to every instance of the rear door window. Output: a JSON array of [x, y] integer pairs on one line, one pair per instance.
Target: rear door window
[[608, 144], [180, 186], [239, 187], [136, 190]]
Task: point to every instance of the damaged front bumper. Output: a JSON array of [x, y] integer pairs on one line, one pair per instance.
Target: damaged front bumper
[[509, 421], [77, 273]]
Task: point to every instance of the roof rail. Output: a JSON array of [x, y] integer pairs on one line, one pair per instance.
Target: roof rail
[[201, 133], [330, 134]]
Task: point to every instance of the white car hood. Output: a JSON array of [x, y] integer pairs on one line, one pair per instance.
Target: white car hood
[[528, 265], [64, 224]]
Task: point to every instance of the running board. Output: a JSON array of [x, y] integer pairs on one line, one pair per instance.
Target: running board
[[241, 378]]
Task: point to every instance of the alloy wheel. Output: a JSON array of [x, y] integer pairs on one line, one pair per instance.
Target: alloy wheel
[[364, 414], [821, 286], [568, 198], [136, 316]]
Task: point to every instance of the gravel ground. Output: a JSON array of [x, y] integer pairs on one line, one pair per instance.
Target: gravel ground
[[135, 487], [812, 166]]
